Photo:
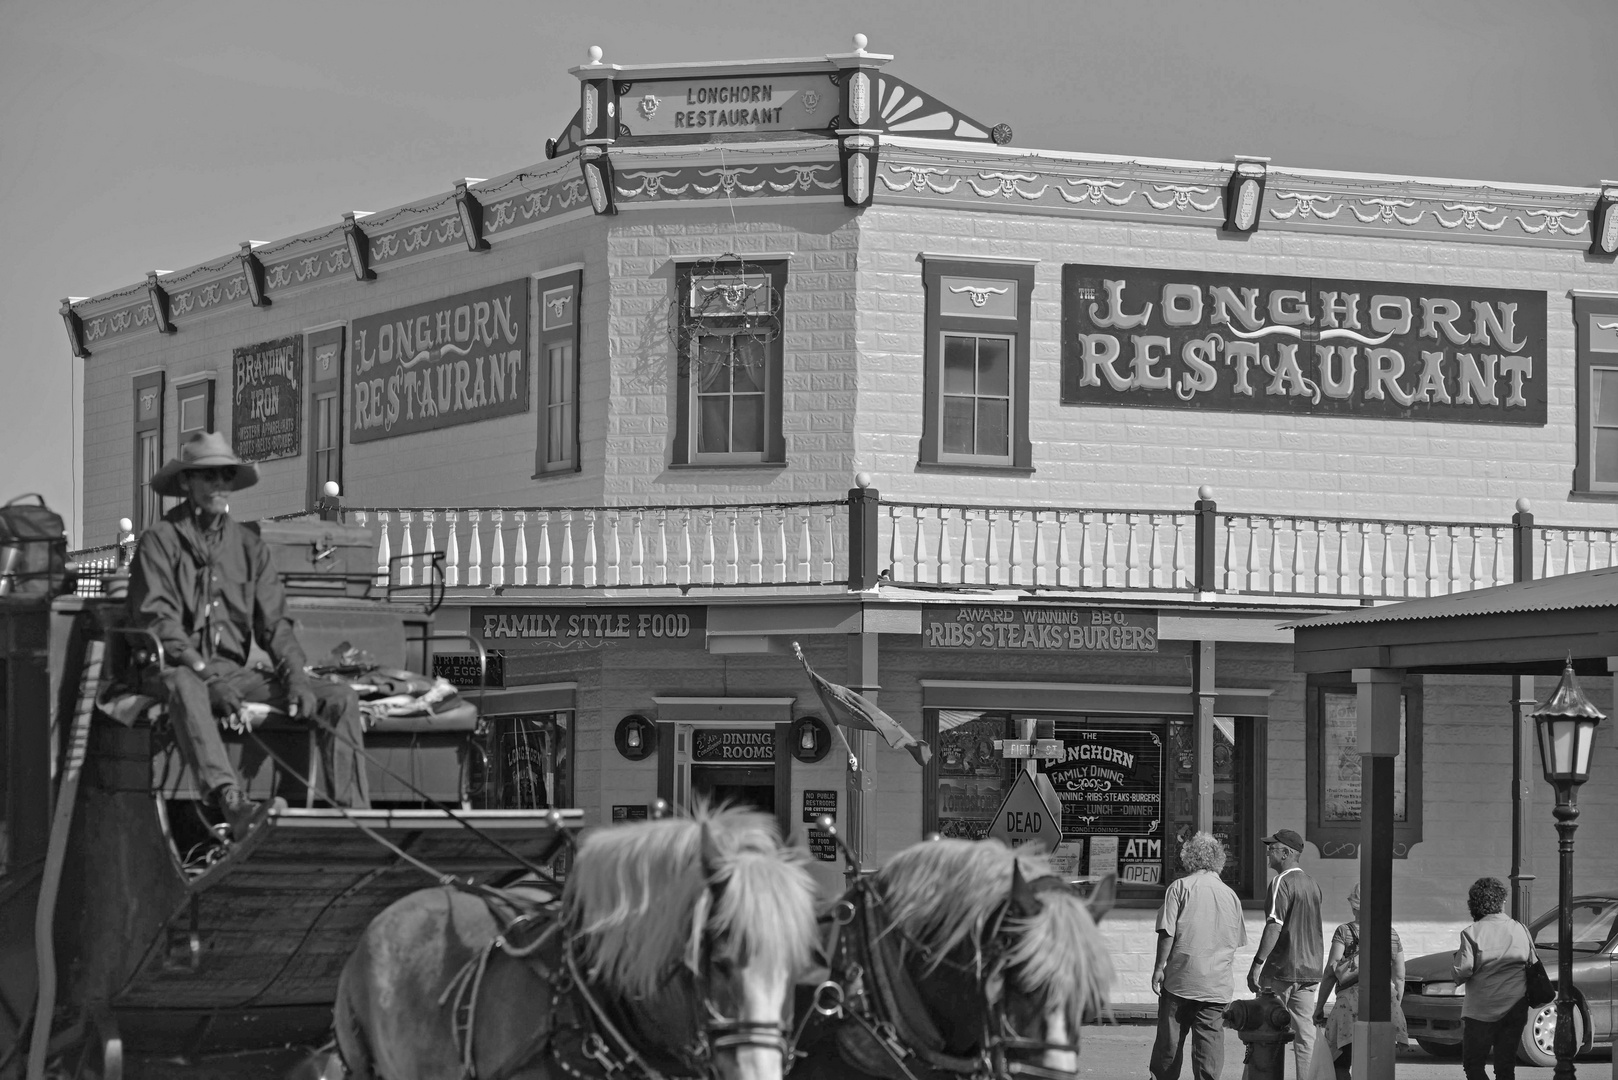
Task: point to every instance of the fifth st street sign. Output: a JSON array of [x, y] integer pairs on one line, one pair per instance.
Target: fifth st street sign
[[1025, 817]]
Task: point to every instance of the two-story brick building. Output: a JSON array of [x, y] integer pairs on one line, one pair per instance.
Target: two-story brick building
[[791, 351]]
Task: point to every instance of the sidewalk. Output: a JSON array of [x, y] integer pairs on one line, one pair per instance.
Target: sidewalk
[[1122, 1051]]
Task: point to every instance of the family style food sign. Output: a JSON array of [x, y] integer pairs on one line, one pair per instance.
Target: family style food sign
[[533, 629], [452, 361], [1184, 339]]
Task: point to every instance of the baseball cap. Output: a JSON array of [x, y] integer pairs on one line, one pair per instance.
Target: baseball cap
[[1287, 837]]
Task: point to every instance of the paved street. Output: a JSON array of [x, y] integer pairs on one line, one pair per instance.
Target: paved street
[[1122, 1051]]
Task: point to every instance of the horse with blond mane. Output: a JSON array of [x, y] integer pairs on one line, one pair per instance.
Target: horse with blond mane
[[671, 952], [956, 959]]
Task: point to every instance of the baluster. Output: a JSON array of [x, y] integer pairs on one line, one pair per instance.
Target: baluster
[[612, 554], [1454, 583], [1016, 577], [1154, 557], [429, 544], [1318, 580], [1108, 552], [1341, 530], [592, 555], [1253, 545], [781, 547], [686, 567], [805, 574], [1180, 580], [1131, 552], [637, 550], [945, 566], [1229, 579], [660, 571], [969, 557], [1410, 562], [755, 569], [828, 564], [1276, 561], [542, 571], [520, 556], [1388, 572], [896, 567], [1298, 561], [1568, 563], [1042, 576], [992, 545], [1502, 569], [1064, 576], [918, 553], [497, 549], [452, 549], [407, 552], [708, 558], [565, 557], [1367, 570], [730, 547], [474, 544], [1087, 576], [1477, 557], [384, 552], [1430, 578]]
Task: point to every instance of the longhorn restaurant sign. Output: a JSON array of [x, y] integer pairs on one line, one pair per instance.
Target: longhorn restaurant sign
[[452, 361], [1182, 339]]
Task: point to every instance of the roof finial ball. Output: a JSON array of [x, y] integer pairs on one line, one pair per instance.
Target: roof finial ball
[[595, 54], [860, 41]]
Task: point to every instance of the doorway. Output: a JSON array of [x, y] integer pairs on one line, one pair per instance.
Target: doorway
[[742, 785]]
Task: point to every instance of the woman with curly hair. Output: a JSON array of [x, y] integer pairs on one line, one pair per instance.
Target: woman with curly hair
[[1491, 963], [1199, 929]]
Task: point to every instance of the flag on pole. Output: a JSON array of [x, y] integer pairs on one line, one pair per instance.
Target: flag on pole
[[851, 710]]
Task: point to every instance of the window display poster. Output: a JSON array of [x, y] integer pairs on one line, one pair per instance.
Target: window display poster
[[1340, 759], [1103, 856], [971, 777], [1110, 781]]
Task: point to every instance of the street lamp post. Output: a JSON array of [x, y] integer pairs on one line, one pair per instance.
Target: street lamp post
[[1567, 726]]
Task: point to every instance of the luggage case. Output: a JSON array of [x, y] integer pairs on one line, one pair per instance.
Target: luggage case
[[33, 549], [321, 558]]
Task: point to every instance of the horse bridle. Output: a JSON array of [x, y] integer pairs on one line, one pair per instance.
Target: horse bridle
[[1001, 1056]]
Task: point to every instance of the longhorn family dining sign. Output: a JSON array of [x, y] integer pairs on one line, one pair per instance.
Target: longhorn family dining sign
[[1184, 339]]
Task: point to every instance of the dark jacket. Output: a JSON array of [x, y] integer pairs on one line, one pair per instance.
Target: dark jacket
[[211, 595]]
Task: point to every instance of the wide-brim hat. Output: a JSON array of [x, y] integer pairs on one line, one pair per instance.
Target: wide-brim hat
[[204, 450]]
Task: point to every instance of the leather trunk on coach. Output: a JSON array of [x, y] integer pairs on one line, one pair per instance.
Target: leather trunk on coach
[[321, 558]]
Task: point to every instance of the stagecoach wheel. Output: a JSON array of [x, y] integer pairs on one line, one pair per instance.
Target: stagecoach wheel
[[1538, 1045]]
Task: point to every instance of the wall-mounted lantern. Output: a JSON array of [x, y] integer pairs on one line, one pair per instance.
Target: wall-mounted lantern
[[635, 737], [811, 739]]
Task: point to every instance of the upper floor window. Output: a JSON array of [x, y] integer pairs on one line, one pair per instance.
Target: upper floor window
[[730, 364], [975, 381], [325, 351], [557, 446], [1596, 321], [195, 401], [147, 505]]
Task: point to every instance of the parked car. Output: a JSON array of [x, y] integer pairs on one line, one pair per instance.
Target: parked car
[[1432, 1003]]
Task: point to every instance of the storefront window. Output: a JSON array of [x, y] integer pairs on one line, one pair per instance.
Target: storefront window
[[1127, 786], [533, 767]]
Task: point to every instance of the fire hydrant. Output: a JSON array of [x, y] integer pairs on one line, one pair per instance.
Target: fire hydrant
[[1264, 1024]]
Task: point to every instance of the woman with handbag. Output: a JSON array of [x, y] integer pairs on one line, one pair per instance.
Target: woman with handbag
[[1343, 974], [1491, 962]]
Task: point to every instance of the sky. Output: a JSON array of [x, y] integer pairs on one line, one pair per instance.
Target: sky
[[158, 134]]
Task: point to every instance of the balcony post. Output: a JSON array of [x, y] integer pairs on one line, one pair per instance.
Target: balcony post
[[1203, 549], [1522, 543], [864, 506]]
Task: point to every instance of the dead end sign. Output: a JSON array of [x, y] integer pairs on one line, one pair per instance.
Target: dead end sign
[[1026, 817]]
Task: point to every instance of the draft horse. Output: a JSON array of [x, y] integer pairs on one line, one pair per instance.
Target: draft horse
[[671, 952], [957, 959]]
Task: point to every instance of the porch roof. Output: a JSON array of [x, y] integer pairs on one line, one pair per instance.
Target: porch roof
[[1524, 628]]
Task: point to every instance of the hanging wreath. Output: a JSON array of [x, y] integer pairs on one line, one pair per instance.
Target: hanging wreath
[[725, 311]]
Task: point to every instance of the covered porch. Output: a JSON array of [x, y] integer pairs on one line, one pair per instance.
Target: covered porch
[[1525, 629]]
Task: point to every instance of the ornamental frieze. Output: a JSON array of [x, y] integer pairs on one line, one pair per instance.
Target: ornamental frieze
[[749, 181]]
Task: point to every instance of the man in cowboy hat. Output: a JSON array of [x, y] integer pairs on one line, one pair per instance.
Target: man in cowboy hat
[[205, 587]]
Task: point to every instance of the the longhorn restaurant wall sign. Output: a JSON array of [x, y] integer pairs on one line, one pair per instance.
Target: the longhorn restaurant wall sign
[[1183, 339]]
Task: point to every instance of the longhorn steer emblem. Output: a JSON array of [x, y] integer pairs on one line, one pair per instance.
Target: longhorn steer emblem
[[979, 296], [558, 305]]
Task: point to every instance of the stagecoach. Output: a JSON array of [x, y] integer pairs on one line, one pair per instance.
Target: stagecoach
[[132, 939]]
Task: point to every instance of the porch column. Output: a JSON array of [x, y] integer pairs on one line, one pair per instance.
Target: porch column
[[1380, 694], [1202, 681], [862, 679], [1522, 796]]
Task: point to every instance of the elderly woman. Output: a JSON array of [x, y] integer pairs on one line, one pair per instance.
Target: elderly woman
[[1199, 929], [1490, 963], [1342, 974]]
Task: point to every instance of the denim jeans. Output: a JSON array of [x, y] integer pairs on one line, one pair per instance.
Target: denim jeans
[[1204, 1021], [1497, 1039], [1299, 1000]]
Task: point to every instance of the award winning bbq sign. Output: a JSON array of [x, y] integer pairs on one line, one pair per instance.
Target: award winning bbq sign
[[1038, 628], [452, 361], [1184, 339]]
